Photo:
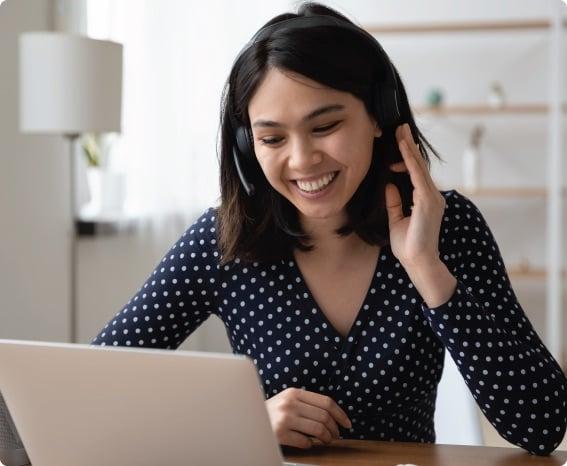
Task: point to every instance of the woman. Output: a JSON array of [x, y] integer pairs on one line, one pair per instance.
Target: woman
[[337, 265]]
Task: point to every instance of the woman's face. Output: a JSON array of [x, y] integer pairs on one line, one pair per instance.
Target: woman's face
[[314, 143]]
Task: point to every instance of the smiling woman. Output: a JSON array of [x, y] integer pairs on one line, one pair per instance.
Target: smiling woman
[[337, 265], [294, 74]]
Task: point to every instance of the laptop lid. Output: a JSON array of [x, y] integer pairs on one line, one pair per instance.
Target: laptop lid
[[89, 405]]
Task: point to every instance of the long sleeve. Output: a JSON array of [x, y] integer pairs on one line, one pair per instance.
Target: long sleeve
[[516, 382], [176, 298]]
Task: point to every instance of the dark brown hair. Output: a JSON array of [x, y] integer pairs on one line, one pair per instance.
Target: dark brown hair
[[265, 226]]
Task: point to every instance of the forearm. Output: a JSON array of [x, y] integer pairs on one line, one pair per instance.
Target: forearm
[[512, 376], [434, 282]]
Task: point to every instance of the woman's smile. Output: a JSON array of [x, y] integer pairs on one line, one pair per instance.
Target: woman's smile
[[317, 187]]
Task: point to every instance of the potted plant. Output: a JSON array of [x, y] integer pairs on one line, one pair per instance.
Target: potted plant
[[105, 186]]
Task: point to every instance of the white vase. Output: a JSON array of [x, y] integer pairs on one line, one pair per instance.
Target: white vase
[[471, 168], [107, 193], [113, 193], [94, 177]]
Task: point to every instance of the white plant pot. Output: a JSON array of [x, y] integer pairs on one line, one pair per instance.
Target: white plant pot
[[113, 192], [107, 193], [94, 177]]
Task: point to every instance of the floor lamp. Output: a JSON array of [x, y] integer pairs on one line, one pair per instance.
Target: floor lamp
[[70, 84]]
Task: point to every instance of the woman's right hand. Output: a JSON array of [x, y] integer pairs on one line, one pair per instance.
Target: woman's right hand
[[298, 415]]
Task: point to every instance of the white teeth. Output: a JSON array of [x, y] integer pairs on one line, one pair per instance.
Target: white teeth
[[316, 185]]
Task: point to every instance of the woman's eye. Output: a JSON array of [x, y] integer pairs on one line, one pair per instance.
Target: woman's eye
[[276, 140], [322, 129], [270, 141]]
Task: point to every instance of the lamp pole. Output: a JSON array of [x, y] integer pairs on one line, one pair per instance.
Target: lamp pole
[[73, 256]]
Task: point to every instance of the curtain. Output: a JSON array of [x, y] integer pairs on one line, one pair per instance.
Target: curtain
[[177, 56]]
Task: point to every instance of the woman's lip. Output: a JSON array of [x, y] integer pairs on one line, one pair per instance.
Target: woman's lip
[[314, 178]]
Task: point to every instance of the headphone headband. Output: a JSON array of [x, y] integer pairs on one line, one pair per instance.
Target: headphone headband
[[301, 22], [389, 103], [385, 99]]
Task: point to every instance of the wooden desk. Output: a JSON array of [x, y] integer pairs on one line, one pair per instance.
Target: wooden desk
[[367, 453]]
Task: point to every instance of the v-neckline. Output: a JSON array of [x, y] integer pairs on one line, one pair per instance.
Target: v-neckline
[[343, 341]]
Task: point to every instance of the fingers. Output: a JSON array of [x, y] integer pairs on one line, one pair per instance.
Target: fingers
[[414, 161], [295, 439], [299, 416], [393, 204], [403, 133], [399, 167], [328, 404], [322, 416], [415, 170], [313, 429]]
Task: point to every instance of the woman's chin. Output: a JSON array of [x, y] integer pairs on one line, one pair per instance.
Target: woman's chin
[[321, 214]]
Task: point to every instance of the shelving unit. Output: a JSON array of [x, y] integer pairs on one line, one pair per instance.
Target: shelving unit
[[526, 271], [553, 193], [507, 192], [485, 110], [105, 225], [515, 271], [462, 26]]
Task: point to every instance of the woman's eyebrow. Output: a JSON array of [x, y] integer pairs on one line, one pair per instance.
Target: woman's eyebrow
[[315, 113]]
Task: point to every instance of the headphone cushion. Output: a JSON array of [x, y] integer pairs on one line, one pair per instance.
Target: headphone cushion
[[244, 143], [386, 106]]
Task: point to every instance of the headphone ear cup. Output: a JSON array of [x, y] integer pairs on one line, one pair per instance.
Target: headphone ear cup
[[386, 104], [244, 143]]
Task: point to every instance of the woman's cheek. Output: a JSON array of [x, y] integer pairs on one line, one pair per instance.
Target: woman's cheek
[[271, 172]]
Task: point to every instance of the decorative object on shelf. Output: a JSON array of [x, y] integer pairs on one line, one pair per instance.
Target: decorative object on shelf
[[496, 97], [471, 160], [69, 85], [435, 98], [106, 186], [524, 265], [91, 149]]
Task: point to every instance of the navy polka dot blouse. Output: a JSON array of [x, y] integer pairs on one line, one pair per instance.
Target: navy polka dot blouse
[[384, 374]]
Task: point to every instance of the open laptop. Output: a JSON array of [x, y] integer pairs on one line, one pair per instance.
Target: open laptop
[[91, 406]]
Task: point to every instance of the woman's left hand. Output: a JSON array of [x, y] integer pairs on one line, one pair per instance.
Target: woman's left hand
[[414, 240]]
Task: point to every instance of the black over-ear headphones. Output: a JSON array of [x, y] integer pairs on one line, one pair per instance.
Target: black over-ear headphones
[[385, 93]]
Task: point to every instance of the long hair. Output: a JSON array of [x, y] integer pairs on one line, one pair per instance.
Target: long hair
[[266, 226]]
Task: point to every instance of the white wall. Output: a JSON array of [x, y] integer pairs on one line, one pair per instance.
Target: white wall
[[34, 218]]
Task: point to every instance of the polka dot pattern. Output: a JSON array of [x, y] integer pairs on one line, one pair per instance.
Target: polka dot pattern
[[385, 372]]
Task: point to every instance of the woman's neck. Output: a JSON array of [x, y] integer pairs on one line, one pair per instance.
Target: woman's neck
[[331, 247]]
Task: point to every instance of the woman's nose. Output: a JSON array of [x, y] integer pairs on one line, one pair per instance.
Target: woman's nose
[[303, 155]]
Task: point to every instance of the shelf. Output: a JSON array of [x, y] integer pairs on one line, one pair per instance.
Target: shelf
[[505, 192], [108, 224], [524, 271], [464, 26], [520, 109]]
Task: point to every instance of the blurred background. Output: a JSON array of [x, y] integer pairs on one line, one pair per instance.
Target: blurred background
[[84, 219]]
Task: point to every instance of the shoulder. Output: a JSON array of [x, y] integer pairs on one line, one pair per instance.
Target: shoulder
[[459, 210], [202, 234], [206, 222], [464, 229]]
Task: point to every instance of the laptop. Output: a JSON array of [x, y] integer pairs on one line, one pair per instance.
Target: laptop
[[90, 406]]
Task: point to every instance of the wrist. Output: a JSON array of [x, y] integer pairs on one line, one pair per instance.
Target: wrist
[[433, 280]]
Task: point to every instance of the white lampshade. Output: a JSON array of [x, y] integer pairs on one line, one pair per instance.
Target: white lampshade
[[69, 84]]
